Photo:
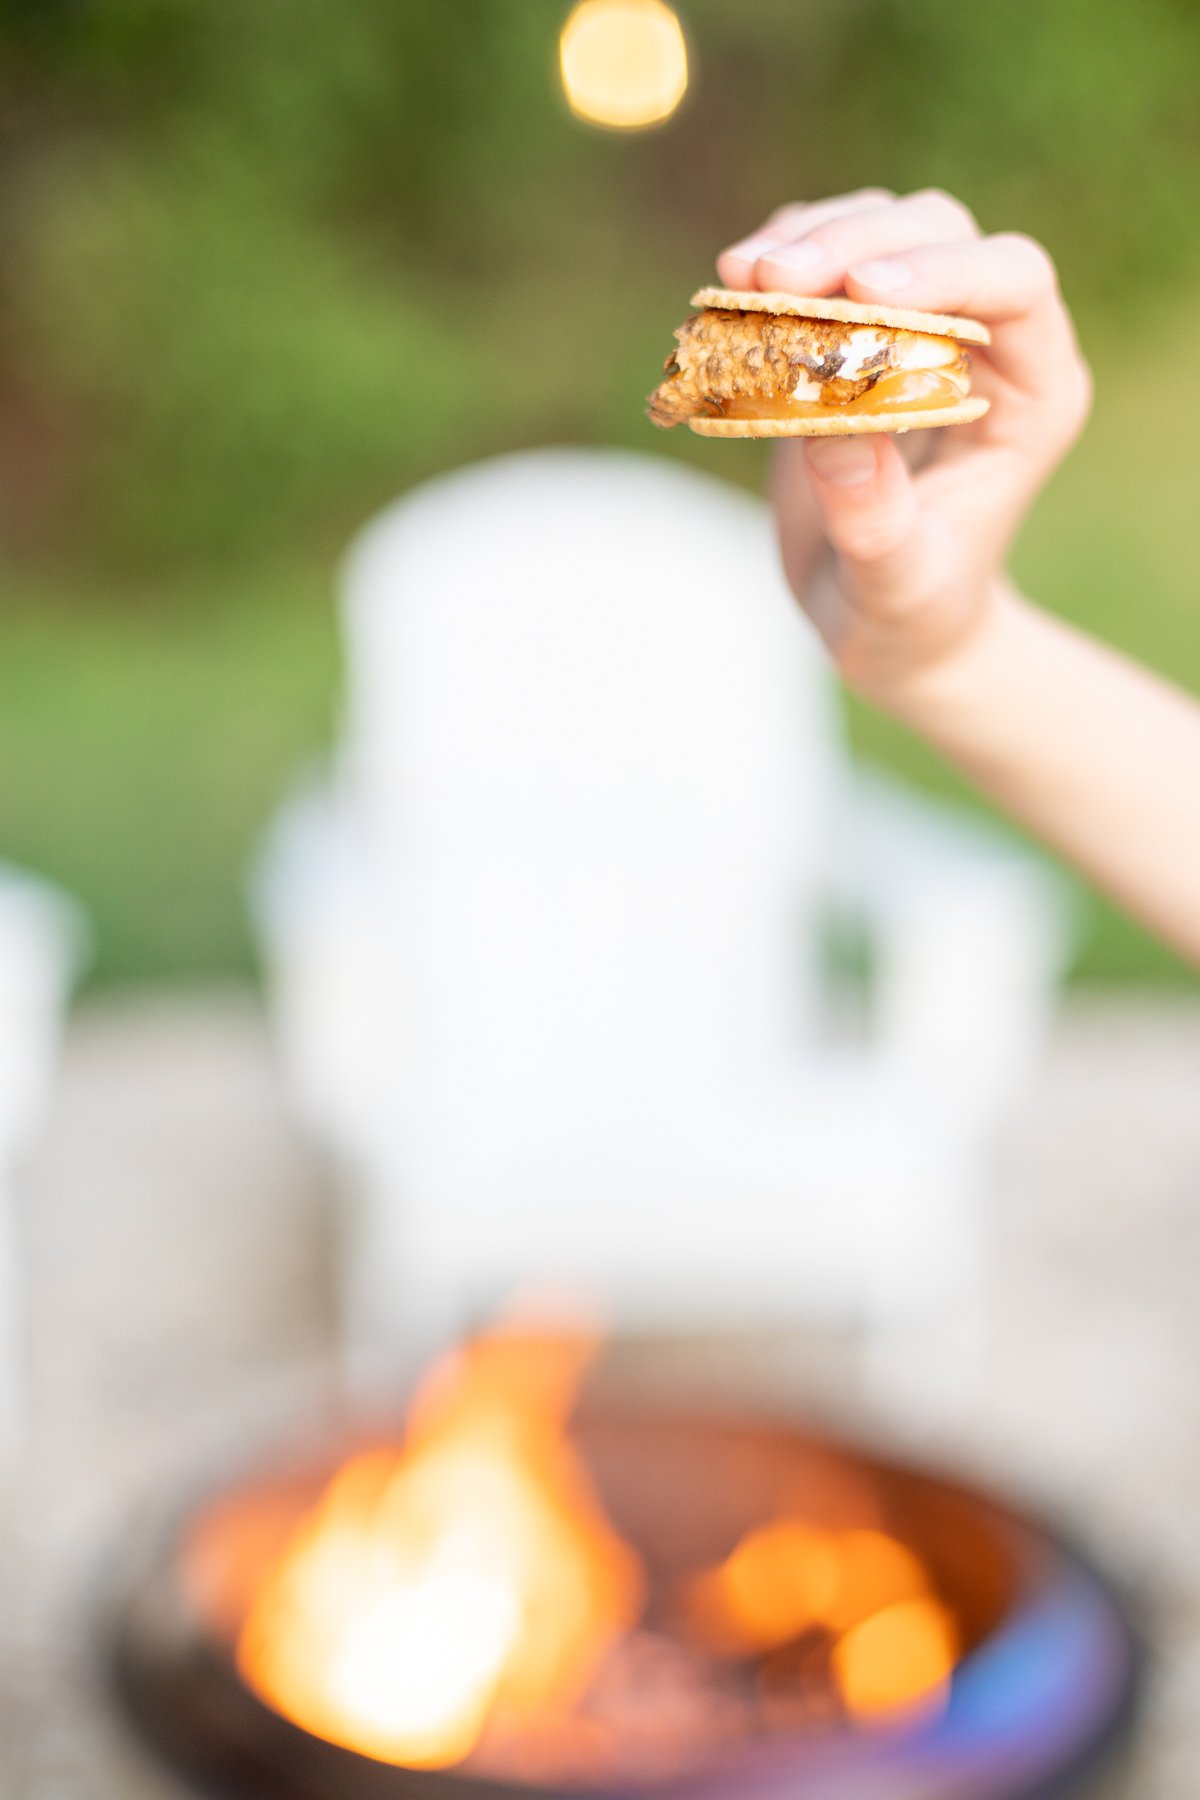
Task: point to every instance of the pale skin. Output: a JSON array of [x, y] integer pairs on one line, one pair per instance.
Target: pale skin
[[1097, 756]]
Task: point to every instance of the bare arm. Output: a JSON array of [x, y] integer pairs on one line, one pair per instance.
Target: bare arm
[[1097, 756]]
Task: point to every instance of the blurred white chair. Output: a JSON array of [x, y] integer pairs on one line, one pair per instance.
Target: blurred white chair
[[545, 948], [42, 947]]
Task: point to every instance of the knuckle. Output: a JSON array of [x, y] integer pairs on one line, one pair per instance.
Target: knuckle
[[1066, 410], [871, 538], [939, 200], [1080, 400], [785, 215], [1085, 384], [1036, 263], [797, 209], [845, 239], [836, 237]]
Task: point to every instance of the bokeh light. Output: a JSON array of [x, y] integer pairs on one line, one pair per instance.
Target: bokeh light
[[624, 62]]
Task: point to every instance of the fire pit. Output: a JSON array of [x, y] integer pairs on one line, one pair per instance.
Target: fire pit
[[485, 1606]]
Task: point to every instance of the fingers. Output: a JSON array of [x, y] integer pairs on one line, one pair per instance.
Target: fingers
[[925, 252], [1010, 283], [857, 495], [802, 542], [808, 249], [996, 279], [736, 265], [869, 514], [817, 262]]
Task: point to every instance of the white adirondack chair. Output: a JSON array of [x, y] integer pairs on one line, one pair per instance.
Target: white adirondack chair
[[545, 948], [42, 944]]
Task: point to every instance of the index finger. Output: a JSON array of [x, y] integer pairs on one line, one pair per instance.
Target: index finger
[[736, 264]]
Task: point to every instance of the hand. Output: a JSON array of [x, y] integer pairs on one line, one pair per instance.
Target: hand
[[918, 552]]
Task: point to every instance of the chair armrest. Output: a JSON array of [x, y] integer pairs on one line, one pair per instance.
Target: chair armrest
[[317, 916], [970, 934]]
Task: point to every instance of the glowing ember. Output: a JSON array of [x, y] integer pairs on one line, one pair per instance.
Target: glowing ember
[[624, 62], [876, 1571], [470, 1577], [899, 1659], [777, 1582], [893, 1644]]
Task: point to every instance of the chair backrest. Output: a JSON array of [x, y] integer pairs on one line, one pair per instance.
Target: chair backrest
[[589, 731]]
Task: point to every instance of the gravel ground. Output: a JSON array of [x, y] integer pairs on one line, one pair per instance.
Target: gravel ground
[[178, 1238]]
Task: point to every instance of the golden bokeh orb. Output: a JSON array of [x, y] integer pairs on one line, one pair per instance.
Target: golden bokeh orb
[[624, 62]]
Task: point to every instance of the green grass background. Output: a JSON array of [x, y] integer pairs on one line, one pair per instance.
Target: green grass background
[[267, 266]]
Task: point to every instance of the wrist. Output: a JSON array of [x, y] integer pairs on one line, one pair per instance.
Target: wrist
[[921, 685]]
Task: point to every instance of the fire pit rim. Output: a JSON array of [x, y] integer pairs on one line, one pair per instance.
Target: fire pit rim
[[320, 1449]]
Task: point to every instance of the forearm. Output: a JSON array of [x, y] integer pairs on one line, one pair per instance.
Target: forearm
[[1098, 757]]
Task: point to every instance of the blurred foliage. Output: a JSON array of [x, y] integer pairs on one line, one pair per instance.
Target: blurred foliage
[[268, 263], [142, 749]]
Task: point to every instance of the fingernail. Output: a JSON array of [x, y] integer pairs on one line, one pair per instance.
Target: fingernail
[[801, 258], [885, 276], [842, 462]]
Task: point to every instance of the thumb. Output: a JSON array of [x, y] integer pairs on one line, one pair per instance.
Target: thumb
[[868, 510]]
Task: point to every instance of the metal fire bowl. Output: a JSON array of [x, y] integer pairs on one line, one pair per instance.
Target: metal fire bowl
[[1044, 1693]]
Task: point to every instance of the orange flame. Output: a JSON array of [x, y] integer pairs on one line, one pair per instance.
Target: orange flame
[[471, 1576], [894, 1646]]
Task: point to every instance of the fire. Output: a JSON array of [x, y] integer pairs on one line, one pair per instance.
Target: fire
[[899, 1659], [464, 1595], [774, 1585], [470, 1576], [894, 1643]]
